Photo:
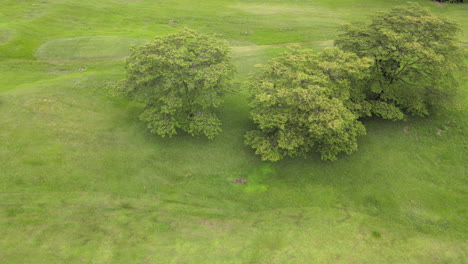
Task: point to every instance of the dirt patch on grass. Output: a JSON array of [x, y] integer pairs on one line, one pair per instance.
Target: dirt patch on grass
[[251, 49], [439, 4], [268, 9], [271, 9], [439, 132], [5, 35], [206, 223]]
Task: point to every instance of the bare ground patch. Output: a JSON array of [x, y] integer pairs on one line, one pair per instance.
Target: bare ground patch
[[270, 9], [5, 35]]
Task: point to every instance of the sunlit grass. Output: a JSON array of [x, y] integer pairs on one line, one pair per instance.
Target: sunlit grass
[[83, 181]]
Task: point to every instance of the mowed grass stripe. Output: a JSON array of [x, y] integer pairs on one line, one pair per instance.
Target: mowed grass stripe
[[87, 48]]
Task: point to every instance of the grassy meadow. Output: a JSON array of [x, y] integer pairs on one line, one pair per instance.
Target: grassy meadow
[[83, 181]]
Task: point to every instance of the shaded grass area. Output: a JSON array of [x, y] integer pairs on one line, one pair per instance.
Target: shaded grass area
[[82, 181]]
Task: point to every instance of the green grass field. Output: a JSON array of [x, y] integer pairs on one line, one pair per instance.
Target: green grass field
[[83, 181]]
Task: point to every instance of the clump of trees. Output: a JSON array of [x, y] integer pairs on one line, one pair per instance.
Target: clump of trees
[[451, 1], [181, 79], [402, 63]]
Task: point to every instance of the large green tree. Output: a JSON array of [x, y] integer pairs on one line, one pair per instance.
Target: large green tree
[[180, 78], [302, 102], [416, 59]]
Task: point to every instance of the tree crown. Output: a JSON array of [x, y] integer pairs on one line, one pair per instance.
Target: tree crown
[[180, 78], [299, 102], [416, 56]]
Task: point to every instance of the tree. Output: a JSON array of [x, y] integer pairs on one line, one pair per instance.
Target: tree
[[301, 101], [416, 58], [180, 78], [451, 1]]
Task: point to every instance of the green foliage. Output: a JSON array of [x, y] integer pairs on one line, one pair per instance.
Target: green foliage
[[301, 101], [451, 1], [416, 57], [181, 78]]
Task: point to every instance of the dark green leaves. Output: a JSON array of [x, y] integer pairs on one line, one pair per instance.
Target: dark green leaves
[[416, 59]]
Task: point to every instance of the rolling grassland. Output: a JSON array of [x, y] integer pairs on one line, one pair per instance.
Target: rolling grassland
[[83, 181]]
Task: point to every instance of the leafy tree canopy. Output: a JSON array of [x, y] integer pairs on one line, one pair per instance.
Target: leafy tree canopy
[[301, 101], [181, 78], [451, 1], [416, 59]]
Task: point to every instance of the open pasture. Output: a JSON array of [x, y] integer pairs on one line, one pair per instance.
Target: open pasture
[[83, 181]]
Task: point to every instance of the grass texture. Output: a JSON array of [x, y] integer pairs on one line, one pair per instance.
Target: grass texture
[[82, 180]]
